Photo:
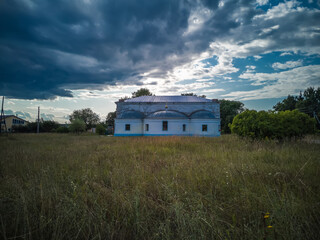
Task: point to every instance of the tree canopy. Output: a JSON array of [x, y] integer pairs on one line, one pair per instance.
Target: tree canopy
[[228, 110], [77, 126], [287, 104], [110, 118], [308, 102], [192, 94], [87, 115], [142, 92], [272, 125]]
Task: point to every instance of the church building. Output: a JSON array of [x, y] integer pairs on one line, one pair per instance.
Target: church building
[[168, 116]]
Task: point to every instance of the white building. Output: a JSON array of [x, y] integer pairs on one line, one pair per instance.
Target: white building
[[167, 116]]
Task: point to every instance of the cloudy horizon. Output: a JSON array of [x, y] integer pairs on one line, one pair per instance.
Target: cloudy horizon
[[67, 55]]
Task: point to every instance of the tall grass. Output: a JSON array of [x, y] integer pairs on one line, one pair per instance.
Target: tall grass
[[91, 187]]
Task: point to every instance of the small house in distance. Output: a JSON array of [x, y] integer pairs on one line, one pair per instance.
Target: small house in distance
[[12, 120], [168, 116]]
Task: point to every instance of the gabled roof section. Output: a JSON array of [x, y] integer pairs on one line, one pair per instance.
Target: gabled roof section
[[167, 99], [130, 115], [7, 116], [202, 114], [166, 114]]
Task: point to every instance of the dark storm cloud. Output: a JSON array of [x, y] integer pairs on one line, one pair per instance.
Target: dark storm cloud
[[48, 48]]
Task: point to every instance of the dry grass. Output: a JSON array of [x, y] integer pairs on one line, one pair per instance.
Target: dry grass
[[91, 187]]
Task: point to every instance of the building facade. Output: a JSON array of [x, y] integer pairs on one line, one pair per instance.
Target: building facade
[[168, 116], [11, 121]]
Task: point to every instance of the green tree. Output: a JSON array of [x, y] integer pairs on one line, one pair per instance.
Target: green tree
[[123, 99], [192, 94], [77, 126], [110, 118], [272, 125], [288, 103], [100, 129], [49, 126], [310, 102], [62, 129], [142, 92], [228, 110], [87, 115]]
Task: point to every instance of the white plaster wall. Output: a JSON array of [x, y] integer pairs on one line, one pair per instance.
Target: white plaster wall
[[135, 127], [174, 127], [213, 127]]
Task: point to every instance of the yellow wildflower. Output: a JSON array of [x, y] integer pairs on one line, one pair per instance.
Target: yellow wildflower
[[269, 226]]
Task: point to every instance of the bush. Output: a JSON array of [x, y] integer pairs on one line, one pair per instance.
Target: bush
[[77, 126], [261, 125], [100, 129], [62, 129], [48, 126]]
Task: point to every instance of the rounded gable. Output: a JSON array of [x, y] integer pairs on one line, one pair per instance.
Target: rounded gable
[[166, 114], [202, 115], [131, 115]]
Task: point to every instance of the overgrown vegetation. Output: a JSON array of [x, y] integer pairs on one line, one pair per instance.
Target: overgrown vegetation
[[44, 126], [90, 187], [271, 125], [307, 102], [90, 118], [100, 129], [77, 126], [228, 110]]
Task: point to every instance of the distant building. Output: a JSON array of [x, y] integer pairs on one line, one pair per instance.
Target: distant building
[[167, 116], [12, 120]]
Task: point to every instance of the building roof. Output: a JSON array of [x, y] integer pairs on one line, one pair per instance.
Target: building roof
[[167, 99], [6, 116], [130, 115], [202, 115], [166, 114]]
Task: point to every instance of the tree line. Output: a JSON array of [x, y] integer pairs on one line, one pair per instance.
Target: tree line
[[291, 113]]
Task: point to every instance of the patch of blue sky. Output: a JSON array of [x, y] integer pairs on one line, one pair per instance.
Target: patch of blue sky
[[264, 64], [210, 62], [261, 104], [304, 3], [270, 4]]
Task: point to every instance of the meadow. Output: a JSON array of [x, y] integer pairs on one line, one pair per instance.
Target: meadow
[[63, 186]]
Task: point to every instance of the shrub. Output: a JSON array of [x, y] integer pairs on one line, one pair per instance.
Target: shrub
[[77, 126], [62, 129], [48, 126], [260, 125], [100, 129]]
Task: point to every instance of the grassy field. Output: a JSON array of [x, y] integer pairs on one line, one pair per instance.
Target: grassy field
[[90, 187]]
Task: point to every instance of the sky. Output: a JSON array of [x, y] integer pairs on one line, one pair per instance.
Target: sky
[[67, 55]]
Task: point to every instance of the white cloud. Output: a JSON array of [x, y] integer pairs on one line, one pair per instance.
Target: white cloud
[[276, 85], [286, 54], [286, 65], [262, 2]]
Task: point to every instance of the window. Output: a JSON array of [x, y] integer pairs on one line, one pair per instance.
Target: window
[[127, 127], [184, 127], [204, 128], [164, 125], [147, 127]]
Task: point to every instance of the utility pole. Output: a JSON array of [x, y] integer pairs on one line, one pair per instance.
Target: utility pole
[[2, 118], [38, 125]]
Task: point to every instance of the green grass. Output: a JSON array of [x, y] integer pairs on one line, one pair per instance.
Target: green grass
[[90, 187]]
